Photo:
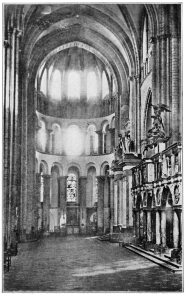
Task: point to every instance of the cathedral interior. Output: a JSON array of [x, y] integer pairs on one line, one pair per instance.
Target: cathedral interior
[[93, 125]]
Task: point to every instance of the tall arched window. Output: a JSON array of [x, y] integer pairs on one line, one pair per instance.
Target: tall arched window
[[73, 85], [42, 136], [71, 187], [91, 85], [56, 140], [91, 140], [105, 86], [43, 86], [56, 86]]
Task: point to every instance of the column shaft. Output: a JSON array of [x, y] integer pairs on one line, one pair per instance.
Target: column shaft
[[158, 233], [163, 228], [175, 230], [100, 182], [82, 202], [111, 204], [46, 202], [149, 228], [115, 204]]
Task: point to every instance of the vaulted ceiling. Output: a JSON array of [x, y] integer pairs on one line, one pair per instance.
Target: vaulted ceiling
[[110, 29]]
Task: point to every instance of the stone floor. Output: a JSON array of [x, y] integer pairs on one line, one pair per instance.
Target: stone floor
[[76, 263]]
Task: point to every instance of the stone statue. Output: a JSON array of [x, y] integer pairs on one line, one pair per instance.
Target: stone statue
[[157, 133]]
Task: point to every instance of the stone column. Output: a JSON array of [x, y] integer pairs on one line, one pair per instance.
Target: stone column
[[46, 201], [137, 224], [175, 230], [63, 192], [100, 209], [163, 228], [144, 225], [100, 142], [124, 202], [82, 202], [149, 228], [134, 223], [120, 195], [111, 203], [158, 231], [106, 205], [115, 203]]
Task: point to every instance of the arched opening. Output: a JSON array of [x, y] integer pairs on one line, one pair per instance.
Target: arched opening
[[42, 136], [56, 140], [91, 140], [106, 139], [166, 205]]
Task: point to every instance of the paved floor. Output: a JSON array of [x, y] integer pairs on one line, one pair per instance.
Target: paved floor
[[85, 264]]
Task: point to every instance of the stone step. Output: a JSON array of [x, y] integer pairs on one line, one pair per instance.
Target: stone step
[[162, 261]]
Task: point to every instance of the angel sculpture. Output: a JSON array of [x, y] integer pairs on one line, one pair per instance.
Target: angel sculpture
[[157, 133]]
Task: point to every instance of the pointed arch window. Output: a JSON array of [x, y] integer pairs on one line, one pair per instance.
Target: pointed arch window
[[91, 85], [74, 85]]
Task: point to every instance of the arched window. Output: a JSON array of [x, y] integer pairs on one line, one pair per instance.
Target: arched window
[[71, 187], [43, 86], [42, 137], [56, 86], [56, 140], [91, 140], [91, 85], [73, 85], [105, 86]]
